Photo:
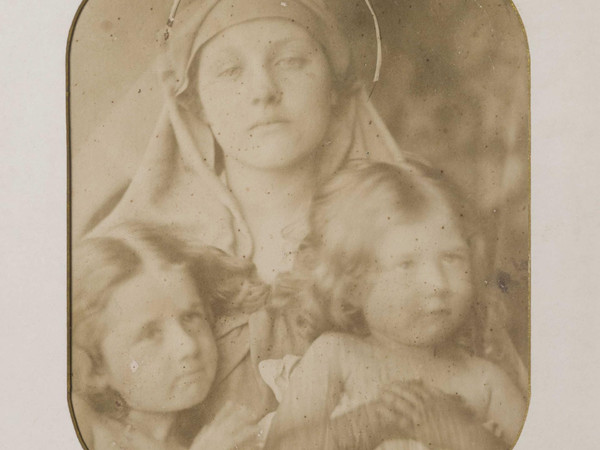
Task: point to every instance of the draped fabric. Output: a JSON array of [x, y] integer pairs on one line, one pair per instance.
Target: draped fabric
[[178, 182], [180, 186]]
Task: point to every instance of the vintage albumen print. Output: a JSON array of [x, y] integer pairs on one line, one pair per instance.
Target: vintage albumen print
[[299, 224]]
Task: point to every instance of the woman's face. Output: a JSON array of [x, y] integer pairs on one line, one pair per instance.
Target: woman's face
[[266, 91], [159, 350]]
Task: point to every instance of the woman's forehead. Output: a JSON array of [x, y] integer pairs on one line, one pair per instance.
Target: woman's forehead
[[255, 35]]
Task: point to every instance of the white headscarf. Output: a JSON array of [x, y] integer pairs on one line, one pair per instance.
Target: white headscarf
[[177, 183]]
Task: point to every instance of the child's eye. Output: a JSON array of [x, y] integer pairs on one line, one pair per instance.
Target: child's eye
[[150, 333], [193, 320]]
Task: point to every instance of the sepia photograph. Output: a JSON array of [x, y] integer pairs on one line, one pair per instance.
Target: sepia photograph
[[299, 224]]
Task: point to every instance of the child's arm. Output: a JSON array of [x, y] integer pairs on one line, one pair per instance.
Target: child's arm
[[367, 426], [507, 406], [315, 388], [438, 419], [303, 420]]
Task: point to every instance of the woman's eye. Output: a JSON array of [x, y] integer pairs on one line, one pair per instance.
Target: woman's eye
[[406, 264], [453, 258], [230, 72], [291, 62]]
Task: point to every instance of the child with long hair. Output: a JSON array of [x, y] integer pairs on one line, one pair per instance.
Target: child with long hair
[[393, 261], [143, 343]]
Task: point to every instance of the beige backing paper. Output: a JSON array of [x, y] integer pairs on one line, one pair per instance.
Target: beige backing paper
[[564, 43]]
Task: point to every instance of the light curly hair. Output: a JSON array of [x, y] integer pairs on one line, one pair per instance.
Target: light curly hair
[[359, 204], [225, 285]]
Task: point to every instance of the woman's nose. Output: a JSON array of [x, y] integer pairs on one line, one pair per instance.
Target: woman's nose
[[265, 88]]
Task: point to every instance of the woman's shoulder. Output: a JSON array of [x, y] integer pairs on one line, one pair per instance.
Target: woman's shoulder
[[334, 355], [327, 342], [345, 349], [336, 340]]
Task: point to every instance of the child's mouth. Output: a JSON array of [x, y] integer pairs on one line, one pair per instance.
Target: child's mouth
[[190, 377]]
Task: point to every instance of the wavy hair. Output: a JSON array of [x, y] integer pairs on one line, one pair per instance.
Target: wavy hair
[[359, 204], [225, 285]]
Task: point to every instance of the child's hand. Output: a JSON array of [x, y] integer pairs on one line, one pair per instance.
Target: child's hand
[[232, 428], [436, 419], [392, 422]]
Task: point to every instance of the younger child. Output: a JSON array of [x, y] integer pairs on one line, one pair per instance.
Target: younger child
[[393, 263], [143, 345]]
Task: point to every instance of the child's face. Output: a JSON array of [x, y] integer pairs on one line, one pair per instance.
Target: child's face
[[420, 291], [159, 351]]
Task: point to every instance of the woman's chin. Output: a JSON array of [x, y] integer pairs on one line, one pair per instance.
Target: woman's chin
[[277, 156]]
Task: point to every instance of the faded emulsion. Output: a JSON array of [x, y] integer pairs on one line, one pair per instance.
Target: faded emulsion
[[298, 224]]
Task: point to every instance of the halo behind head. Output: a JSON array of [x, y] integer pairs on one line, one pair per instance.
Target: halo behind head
[[218, 15]]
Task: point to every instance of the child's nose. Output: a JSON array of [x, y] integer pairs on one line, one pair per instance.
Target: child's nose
[[436, 280], [185, 343]]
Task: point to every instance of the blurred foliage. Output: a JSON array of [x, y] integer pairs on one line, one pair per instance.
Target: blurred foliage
[[454, 89]]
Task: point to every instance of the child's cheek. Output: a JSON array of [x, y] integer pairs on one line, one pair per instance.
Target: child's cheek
[[392, 282], [135, 371], [134, 366]]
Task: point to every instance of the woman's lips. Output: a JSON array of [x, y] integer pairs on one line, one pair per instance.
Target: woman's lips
[[438, 314], [269, 123]]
